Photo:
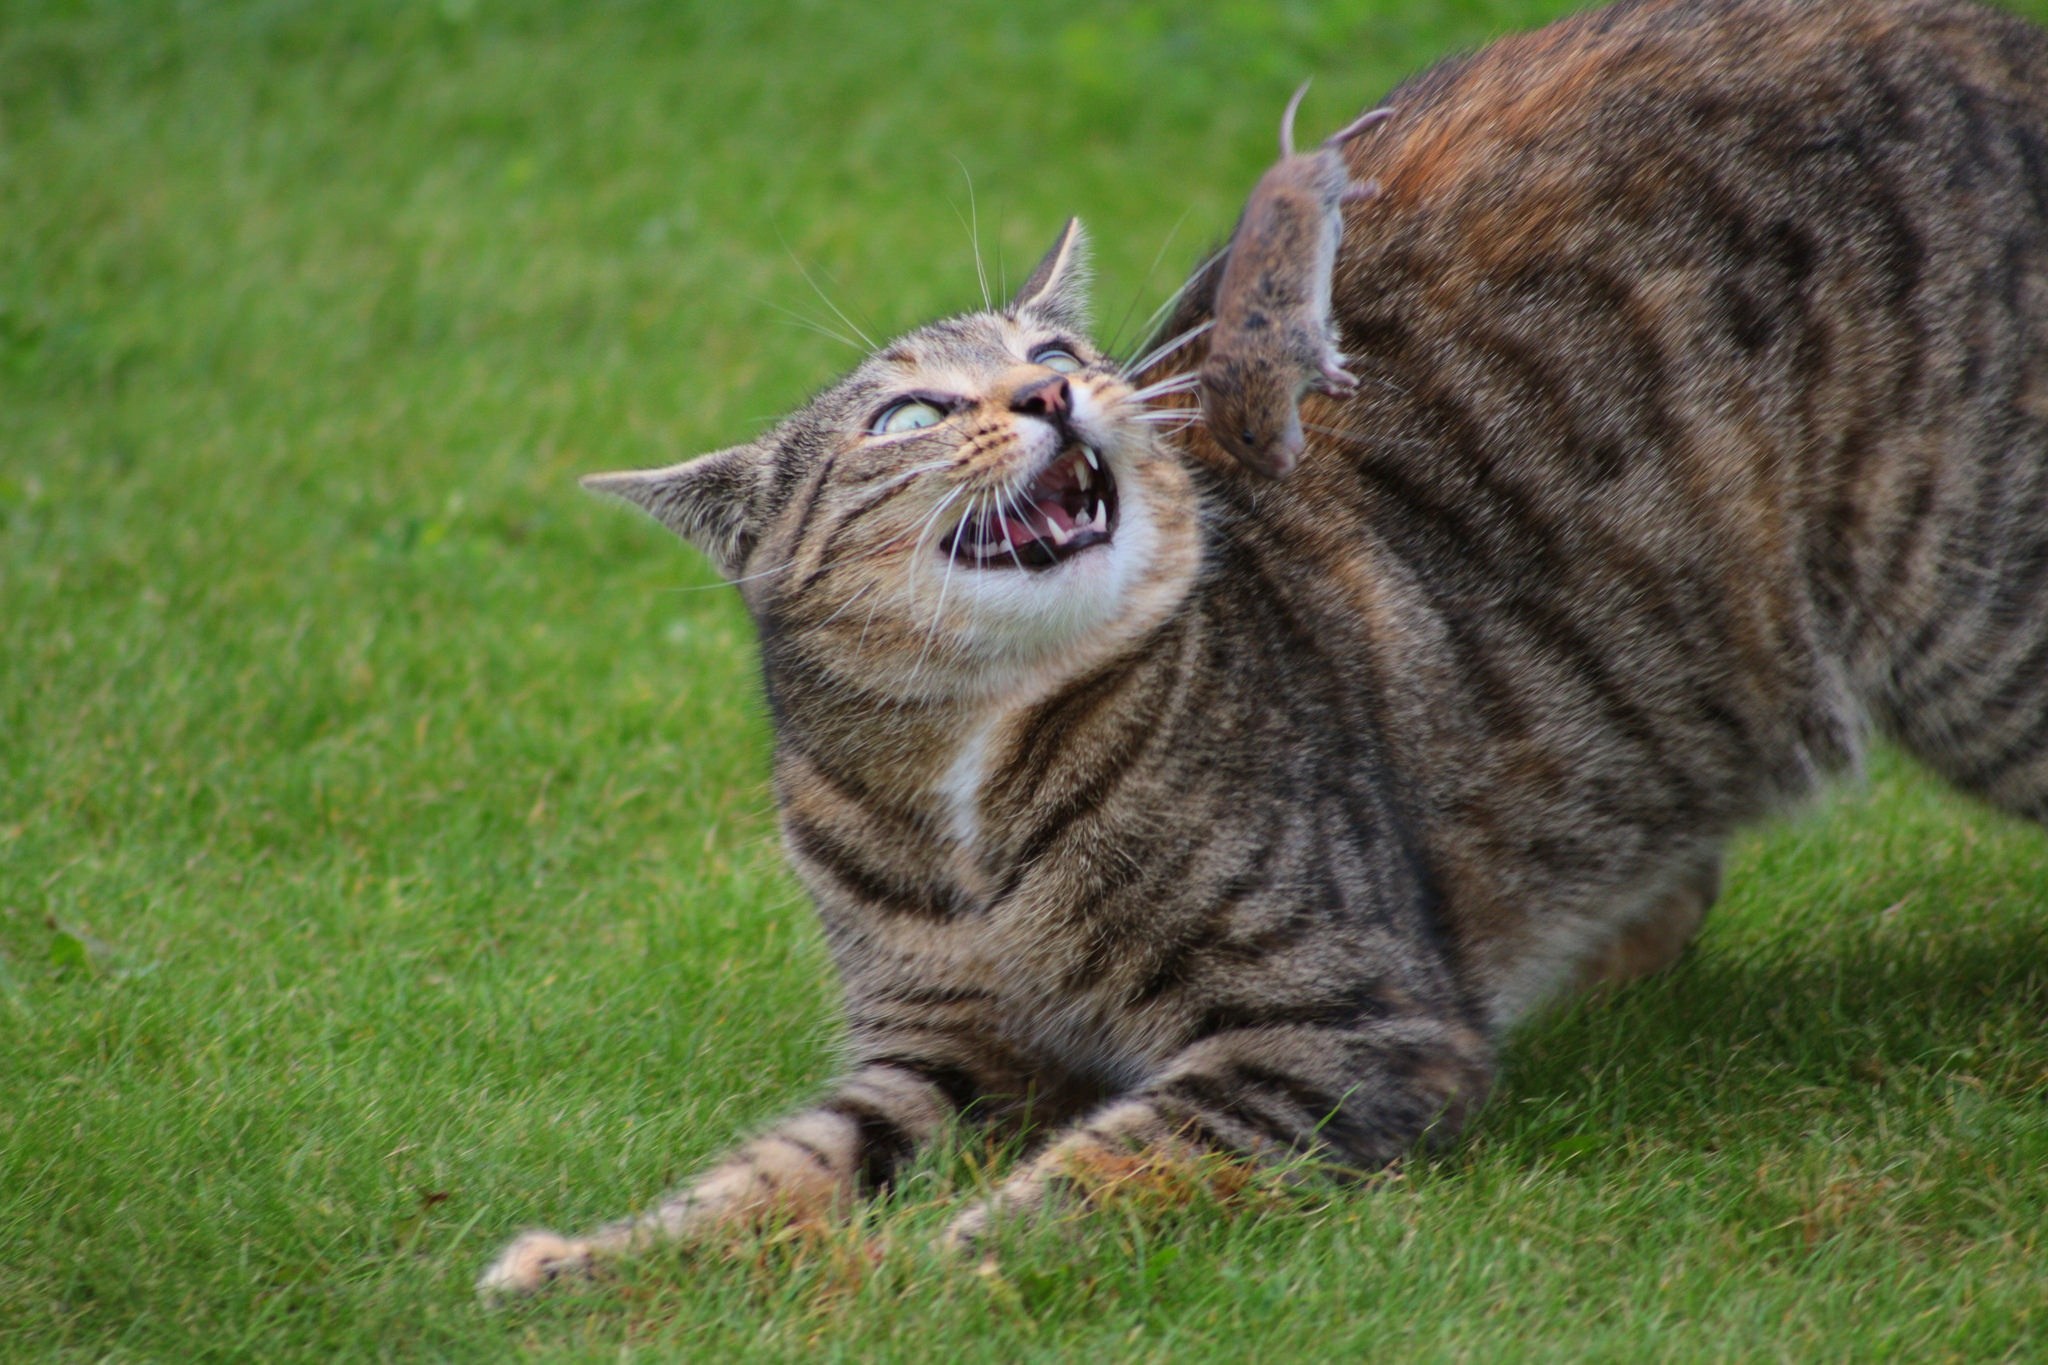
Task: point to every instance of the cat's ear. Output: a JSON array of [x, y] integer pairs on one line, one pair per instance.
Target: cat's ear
[[707, 501], [1059, 287]]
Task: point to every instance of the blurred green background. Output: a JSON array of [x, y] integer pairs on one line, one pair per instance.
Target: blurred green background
[[386, 858]]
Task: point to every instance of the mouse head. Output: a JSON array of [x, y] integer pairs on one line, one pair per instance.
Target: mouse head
[[1248, 405]]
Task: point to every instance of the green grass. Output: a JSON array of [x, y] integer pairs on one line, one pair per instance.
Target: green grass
[[385, 851]]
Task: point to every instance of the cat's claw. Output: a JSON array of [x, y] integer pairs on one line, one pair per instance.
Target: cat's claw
[[531, 1261]]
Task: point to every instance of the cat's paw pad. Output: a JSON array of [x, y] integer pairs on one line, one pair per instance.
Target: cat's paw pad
[[530, 1262]]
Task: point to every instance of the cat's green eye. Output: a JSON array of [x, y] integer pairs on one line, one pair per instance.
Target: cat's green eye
[[908, 415], [1053, 358]]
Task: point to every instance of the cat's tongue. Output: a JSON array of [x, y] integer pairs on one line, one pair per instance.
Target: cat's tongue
[[1068, 507], [1034, 527]]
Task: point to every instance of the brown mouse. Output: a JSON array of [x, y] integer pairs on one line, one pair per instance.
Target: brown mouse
[[1273, 341]]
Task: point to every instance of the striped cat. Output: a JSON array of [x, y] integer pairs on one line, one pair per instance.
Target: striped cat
[[1703, 432]]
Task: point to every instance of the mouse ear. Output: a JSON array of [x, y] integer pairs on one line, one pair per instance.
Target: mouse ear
[[1058, 288], [707, 501]]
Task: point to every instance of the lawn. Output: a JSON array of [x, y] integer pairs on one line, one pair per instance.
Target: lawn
[[386, 856]]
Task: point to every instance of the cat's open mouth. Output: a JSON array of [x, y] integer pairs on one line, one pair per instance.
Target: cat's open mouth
[[1069, 507]]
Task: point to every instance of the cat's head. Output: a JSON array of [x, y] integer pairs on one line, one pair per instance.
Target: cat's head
[[980, 503]]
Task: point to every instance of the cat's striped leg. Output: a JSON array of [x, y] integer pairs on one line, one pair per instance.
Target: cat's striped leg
[[808, 1164], [1355, 1097], [1658, 938]]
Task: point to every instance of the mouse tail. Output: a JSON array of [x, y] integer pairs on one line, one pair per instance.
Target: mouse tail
[[1287, 121], [1371, 118]]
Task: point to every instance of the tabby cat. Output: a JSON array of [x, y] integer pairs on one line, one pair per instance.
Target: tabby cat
[[1703, 432]]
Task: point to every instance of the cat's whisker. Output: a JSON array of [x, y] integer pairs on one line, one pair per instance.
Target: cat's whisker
[[1165, 349], [1174, 401], [1179, 383], [1165, 414], [932, 520], [865, 589], [1178, 377], [866, 625], [1167, 305], [1002, 270], [939, 612], [905, 475], [746, 578], [817, 289], [1009, 509], [734, 582], [973, 226], [1116, 337], [917, 546], [797, 320]]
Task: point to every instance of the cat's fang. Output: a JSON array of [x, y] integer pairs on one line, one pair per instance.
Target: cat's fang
[[1067, 508]]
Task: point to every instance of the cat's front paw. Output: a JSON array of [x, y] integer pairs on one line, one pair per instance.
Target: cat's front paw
[[530, 1261], [968, 1234], [1026, 1196]]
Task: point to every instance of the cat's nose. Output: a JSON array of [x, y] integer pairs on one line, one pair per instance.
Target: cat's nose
[[1049, 398]]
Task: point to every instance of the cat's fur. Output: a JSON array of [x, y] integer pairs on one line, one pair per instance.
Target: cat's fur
[[1704, 431]]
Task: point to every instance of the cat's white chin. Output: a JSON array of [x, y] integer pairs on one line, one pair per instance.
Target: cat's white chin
[[1015, 627]]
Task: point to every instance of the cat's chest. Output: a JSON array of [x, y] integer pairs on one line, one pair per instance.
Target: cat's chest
[[957, 794]]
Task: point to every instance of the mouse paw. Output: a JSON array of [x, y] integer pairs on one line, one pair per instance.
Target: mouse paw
[[1335, 380]]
